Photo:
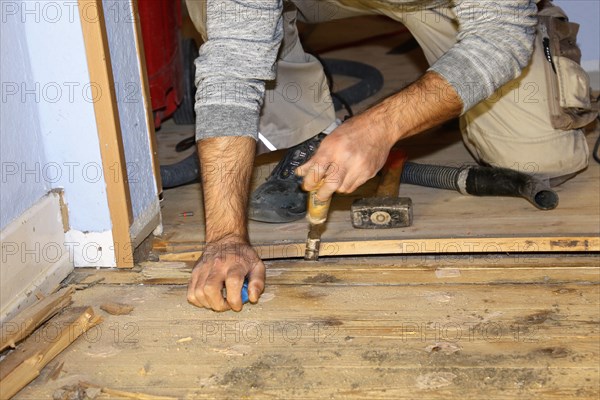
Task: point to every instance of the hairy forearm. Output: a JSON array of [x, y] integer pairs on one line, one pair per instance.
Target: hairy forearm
[[226, 168], [426, 103]]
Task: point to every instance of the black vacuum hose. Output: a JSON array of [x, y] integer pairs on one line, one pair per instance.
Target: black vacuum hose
[[482, 181], [435, 176], [181, 173], [371, 81], [473, 180]]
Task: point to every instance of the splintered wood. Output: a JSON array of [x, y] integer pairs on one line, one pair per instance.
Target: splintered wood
[[22, 366], [27, 321]]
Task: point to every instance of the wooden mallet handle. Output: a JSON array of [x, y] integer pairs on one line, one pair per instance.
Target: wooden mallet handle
[[392, 172]]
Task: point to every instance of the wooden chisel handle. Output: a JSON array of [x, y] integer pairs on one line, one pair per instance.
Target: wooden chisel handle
[[317, 209]]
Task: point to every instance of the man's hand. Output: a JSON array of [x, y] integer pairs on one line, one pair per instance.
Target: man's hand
[[226, 167], [358, 149], [349, 156], [226, 263]]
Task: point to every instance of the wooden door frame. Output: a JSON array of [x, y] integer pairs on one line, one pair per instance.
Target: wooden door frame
[[109, 129]]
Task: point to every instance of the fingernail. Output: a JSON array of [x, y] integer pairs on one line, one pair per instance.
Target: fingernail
[[252, 296]]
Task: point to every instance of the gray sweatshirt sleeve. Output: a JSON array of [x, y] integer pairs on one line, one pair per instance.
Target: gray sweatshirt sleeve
[[495, 43], [239, 56]]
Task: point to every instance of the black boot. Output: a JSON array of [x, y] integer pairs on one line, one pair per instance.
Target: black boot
[[281, 199]]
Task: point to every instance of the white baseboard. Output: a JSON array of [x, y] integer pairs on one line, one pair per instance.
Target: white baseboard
[[33, 255], [91, 249]]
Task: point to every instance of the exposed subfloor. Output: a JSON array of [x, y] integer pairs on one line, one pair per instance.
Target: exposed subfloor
[[444, 221]]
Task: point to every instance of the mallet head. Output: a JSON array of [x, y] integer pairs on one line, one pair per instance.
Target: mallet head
[[382, 213]]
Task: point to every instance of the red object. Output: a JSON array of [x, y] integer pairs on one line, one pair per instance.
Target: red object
[[396, 159], [161, 24]]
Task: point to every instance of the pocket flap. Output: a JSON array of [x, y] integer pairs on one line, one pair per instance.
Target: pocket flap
[[574, 84]]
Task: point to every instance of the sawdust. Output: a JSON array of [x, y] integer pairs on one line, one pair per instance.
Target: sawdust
[[447, 273], [239, 350], [552, 352], [272, 369], [322, 278], [564, 291], [376, 356], [441, 297], [75, 392], [538, 318], [435, 380], [331, 321], [501, 378], [308, 294]]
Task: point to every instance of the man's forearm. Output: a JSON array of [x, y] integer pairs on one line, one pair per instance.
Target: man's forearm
[[226, 168], [426, 103]]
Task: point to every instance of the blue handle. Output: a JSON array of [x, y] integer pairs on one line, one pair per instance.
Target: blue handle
[[245, 292]]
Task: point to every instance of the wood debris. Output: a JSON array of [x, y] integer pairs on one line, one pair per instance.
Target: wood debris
[[29, 319], [21, 367], [117, 308]]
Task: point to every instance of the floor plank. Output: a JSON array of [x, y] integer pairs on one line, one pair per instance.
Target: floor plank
[[322, 333]]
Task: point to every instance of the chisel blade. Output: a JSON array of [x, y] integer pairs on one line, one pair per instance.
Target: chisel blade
[[313, 242]]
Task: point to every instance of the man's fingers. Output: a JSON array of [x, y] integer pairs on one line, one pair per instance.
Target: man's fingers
[[213, 290], [326, 191], [195, 294], [233, 284], [191, 295], [313, 172], [256, 282], [213, 275], [303, 169], [333, 180]]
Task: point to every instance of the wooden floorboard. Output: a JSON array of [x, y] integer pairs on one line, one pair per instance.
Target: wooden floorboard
[[393, 328]]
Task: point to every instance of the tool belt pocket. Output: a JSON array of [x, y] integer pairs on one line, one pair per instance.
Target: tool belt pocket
[[568, 83]]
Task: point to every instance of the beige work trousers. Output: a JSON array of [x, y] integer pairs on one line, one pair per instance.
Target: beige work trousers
[[511, 129]]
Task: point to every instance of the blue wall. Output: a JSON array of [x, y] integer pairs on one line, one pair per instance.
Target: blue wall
[[21, 147]]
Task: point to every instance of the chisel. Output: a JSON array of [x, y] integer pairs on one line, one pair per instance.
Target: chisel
[[316, 215]]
